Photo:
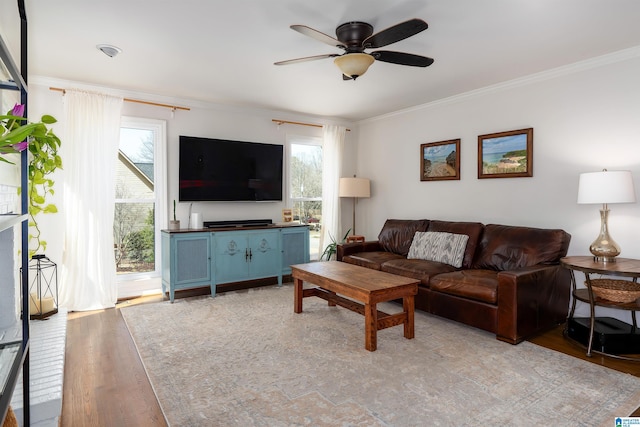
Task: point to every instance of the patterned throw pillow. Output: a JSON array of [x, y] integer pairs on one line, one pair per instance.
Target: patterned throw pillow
[[447, 248]]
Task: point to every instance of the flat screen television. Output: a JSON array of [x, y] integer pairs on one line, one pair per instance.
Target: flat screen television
[[226, 170]]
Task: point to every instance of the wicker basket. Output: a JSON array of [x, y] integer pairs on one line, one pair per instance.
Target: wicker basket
[[616, 290]]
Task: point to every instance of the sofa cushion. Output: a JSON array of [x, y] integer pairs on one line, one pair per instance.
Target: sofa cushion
[[417, 269], [505, 247], [397, 234], [441, 247], [480, 285], [373, 260], [471, 229]]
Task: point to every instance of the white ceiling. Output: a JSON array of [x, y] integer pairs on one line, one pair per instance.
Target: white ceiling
[[223, 51]]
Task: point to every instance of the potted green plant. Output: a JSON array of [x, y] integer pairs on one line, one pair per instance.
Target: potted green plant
[[332, 247], [174, 224], [18, 134]]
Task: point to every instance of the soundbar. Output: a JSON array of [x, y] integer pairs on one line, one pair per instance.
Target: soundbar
[[238, 223]]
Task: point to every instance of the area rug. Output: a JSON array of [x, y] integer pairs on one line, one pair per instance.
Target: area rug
[[246, 359]]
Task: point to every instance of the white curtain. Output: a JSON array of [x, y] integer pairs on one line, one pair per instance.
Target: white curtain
[[89, 153], [332, 149]]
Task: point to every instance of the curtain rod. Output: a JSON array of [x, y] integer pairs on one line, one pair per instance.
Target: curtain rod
[[157, 104], [287, 122]]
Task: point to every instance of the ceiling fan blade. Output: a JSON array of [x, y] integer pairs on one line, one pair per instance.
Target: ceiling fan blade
[[394, 34], [305, 59], [402, 58], [308, 31]]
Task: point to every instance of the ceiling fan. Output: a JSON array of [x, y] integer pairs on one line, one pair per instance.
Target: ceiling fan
[[354, 37]]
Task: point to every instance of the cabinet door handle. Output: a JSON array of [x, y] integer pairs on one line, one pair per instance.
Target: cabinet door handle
[[250, 254], [246, 255]]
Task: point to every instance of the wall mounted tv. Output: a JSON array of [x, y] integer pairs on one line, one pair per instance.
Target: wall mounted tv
[[225, 170]]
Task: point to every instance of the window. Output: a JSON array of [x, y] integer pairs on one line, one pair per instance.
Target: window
[[140, 199], [305, 187]]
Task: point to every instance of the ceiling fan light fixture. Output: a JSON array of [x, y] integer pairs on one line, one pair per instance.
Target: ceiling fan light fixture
[[354, 64], [109, 50]]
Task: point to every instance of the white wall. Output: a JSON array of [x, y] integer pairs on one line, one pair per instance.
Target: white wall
[[585, 118], [10, 29], [204, 120]]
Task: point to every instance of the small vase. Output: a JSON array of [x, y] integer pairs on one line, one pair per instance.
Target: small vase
[[174, 224]]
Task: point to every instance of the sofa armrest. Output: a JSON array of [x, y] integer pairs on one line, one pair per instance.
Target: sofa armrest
[[531, 300], [345, 249]]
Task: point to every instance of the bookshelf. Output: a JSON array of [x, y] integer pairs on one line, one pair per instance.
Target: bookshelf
[[14, 336]]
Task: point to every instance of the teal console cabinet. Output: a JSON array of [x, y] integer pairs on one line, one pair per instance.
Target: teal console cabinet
[[198, 258], [295, 247], [186, 262], [246, 255]]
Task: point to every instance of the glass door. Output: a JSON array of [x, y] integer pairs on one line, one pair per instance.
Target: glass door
[[139, 206]]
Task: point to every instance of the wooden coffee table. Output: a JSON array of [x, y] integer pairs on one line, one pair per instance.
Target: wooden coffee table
[[367, 287]]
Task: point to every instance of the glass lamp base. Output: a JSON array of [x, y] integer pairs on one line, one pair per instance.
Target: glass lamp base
[[604, 249], [603, 259]]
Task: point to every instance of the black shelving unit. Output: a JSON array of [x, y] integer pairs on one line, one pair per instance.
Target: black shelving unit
[[16, 353]]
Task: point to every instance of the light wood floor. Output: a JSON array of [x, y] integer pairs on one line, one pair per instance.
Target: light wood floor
[[105, 383]]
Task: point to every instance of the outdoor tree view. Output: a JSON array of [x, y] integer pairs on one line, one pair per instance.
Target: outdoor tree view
[[306, 190], [134, 224]]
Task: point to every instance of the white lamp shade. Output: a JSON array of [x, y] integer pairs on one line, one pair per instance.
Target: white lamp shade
[[354, 64], [355, 187], [606, 187]]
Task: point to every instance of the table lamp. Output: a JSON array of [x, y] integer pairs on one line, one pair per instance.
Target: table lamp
[[355, 188], [605, 187]]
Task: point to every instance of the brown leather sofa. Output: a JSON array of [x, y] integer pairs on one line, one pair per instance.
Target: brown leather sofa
[[510, 281]]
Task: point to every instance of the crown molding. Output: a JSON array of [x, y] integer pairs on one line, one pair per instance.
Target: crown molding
[[577, 67]]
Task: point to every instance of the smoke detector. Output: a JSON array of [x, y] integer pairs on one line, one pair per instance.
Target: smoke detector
[[109, 50]]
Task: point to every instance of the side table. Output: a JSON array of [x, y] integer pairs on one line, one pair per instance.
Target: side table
[[622, 267]]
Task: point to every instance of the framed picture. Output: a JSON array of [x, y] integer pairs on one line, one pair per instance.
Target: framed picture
[[287, 215], [506, 154], [440, 161]]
